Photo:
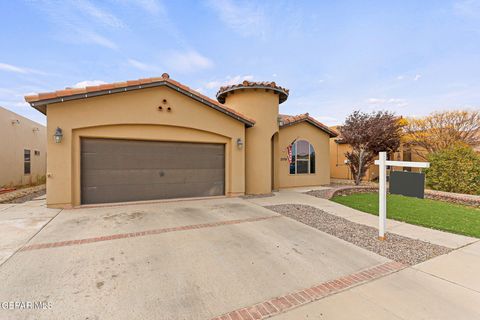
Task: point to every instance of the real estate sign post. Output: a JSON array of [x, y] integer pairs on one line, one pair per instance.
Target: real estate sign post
[[382, 162]]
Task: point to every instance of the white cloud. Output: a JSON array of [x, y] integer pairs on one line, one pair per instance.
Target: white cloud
[[151, 6], [329, 121], [13, 99], [414, 78], [95, 38], [248, 19], [16, 69], [80, 22], [227, 81], [467, 8], [12, 68], [88, 83], [188, 61], [386, 102], [98, 14], [139, 65], [144, 66]]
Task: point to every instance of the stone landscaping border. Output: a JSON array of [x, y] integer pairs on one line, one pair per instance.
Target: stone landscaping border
[[395, 247], [20, 193]]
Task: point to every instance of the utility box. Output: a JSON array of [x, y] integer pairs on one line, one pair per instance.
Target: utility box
[[410, 184]]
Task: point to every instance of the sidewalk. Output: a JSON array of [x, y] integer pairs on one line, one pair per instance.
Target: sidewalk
[[296, 196], [20, 222], [446, 287]]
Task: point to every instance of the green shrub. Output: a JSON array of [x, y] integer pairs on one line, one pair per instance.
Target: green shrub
[[456, 169]]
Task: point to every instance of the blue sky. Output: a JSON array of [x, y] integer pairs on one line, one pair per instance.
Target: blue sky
[[411, 57]]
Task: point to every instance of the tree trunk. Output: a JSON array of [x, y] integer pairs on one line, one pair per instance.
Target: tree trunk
[[358, 178]]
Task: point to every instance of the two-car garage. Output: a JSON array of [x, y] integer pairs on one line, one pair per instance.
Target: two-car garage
[[116, 170], [148, 139]]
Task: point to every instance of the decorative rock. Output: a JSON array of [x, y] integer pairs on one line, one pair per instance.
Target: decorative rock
[[401, 249]]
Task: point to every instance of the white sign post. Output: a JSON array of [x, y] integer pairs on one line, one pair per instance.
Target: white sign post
[[382, 163]]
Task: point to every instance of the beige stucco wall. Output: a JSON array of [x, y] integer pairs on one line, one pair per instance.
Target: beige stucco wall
[[135, 115], [17, 134], [339, 170], [320, 142], [261, 105]]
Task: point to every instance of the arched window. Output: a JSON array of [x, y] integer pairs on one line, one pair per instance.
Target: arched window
[[303, 158]]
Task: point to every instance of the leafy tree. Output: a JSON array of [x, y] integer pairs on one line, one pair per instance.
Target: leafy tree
[[454, 169], [368, 134], [441, 130]]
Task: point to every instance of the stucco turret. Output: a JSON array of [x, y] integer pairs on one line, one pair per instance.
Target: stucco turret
[[259, 101]]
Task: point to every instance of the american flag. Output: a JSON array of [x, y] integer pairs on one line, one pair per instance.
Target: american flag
[[289, 151]]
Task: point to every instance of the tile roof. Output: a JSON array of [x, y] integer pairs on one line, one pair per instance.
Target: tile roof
[[288, 120], [39, 101], [223, 91]]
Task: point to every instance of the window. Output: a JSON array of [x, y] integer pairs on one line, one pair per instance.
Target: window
[[26, 162], [37, 153], [303, 158]]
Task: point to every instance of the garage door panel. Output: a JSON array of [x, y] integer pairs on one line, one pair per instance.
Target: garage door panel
[[106, 194], [131, 162], [105, 177], [115, 170], [119, 159]]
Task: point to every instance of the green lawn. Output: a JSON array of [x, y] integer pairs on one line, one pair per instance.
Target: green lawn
[[423, 212]]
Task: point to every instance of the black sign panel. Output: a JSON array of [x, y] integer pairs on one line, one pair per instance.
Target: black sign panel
[[410, 184]]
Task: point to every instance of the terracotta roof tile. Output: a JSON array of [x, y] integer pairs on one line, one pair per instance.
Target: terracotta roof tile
[[37, 99], [223, 91], [288, 120]]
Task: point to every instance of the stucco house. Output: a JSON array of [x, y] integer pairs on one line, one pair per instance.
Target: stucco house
[[339, 168], [156, 138], [23, 145]]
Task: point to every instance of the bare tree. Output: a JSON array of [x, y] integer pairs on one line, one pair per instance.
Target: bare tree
[[368, 134], [441, 130]]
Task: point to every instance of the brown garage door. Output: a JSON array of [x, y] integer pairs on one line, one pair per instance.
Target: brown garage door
[[130, 170]]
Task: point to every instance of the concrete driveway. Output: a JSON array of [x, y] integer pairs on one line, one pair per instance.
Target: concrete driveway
[[179, 260]]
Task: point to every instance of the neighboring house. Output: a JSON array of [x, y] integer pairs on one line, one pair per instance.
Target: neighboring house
[[158, 139], [339, 168], [22, 150]]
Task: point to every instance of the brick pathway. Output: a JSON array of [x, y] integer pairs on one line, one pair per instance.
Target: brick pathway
[[141, 233], [275, 306]]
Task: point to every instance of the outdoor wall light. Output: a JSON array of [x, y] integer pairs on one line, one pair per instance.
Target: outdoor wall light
[[58, 135], [239, 143]]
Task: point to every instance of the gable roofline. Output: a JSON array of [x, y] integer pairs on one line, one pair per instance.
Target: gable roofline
[[287, 120], [41, 100]]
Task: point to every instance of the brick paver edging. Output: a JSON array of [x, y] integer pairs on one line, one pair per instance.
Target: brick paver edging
[[292, 300], [142, 233]]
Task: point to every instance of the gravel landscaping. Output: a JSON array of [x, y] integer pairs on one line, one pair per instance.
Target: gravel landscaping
[[398, 248], [23, 195]]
